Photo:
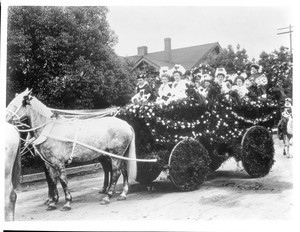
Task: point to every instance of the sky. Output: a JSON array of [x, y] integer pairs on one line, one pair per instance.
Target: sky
[[253, 27]]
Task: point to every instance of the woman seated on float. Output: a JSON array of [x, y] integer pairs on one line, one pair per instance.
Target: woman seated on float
[[259, 81], [164, 91], [203, 90], [143, 91], [179, 87], [220, 79], [239, 86]]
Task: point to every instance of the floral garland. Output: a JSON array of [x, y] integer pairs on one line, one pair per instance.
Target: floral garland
[[219, 126], [186, 118]]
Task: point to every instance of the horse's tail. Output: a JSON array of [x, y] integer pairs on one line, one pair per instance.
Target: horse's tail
[[17, 168], [131, 165]]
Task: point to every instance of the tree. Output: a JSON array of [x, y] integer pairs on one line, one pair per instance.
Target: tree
[[278, 67], [66, 55], [232, 61]]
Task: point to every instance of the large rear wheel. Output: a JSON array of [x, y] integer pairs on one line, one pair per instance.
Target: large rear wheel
[[188, 165], [257, 151]]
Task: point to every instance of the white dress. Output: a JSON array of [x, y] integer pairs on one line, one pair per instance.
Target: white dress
[[242, 91], [164, 90], [178, 90]]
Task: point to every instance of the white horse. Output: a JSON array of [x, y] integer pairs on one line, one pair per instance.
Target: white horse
[[61, 140], [285, 132], [12, 169]]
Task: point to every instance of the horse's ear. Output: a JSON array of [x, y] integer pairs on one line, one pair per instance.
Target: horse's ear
[[29, 92], [26, 100]]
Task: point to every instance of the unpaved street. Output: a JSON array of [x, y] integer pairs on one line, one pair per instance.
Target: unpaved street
[[227, 194]]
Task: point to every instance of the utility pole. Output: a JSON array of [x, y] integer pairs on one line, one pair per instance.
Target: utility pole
[[287, 32]]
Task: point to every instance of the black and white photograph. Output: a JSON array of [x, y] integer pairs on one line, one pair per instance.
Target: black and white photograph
[[140, 116]]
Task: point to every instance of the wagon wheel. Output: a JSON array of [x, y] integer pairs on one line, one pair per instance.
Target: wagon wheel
[[189, 165], [257, 151]]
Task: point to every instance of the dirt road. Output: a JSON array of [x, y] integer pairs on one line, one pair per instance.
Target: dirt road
[[227, 194]]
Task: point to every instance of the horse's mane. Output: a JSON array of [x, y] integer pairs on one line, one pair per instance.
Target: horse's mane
[[40, 108]]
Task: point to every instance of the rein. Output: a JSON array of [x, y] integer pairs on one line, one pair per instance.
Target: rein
[[98, 150], [14, 113], [38, 127]]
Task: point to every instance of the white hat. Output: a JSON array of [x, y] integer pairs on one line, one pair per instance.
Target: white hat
[[164, 70], [207, 78], [221, 71], [178, 67]]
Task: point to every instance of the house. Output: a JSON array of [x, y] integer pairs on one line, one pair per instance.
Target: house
[[188, 57]]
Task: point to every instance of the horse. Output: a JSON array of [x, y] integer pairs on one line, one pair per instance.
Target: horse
[[61, 140], [285, 133], [12, 169], [26, 136]]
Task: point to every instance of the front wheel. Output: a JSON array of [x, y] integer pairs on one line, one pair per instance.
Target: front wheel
[[257, 151], [189, 165]]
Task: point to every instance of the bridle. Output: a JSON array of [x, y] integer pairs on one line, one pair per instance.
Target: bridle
[[15, 116]]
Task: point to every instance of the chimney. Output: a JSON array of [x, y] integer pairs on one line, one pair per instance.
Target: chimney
[[168, 56], [143, 50]]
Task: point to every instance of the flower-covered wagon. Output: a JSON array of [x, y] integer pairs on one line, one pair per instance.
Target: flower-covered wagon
[[194, 136]]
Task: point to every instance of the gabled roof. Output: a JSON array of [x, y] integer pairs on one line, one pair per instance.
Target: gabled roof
[[188, 57]]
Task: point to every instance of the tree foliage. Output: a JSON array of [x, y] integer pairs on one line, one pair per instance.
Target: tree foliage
[[233, 61], [278, 67], [66, 55]]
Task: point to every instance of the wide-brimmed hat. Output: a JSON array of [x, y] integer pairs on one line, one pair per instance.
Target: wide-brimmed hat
[[239, 77], [256, 66], [221, 71], [207, 78], [164, 70], [288, 100], [165, 75], [178, 67], [177, 71], [141, 76]]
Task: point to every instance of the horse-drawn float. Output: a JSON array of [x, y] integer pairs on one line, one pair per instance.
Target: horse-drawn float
[[193, 136], [186, 138]]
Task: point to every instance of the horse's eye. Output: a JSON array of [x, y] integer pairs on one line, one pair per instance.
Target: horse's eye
[[25, 102]]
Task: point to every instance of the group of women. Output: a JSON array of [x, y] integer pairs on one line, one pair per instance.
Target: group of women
[[176, 89]]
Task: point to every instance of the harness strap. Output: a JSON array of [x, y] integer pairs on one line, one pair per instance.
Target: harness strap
[[33, 129], [43, 158], [74, 145], [99, 150]]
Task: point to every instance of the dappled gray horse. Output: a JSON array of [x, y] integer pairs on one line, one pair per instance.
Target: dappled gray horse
[[61, 140]]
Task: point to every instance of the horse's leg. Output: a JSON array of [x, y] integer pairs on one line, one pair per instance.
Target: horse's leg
[[291, 147], [289, 139], [106, 165], [114, 179], [123, 195], [52, 186], [284, 144], [64, 184], [10, 201]]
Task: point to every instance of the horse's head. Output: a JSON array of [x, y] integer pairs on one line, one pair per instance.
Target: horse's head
[[18, 108]]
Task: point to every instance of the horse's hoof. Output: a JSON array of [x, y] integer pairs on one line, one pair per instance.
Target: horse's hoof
[[121, 198], [66, 208], [46, 202], [103, 191], [104, 202], [51, 207]]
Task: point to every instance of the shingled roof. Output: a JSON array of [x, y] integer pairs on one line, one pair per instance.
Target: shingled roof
[[188, 57]]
